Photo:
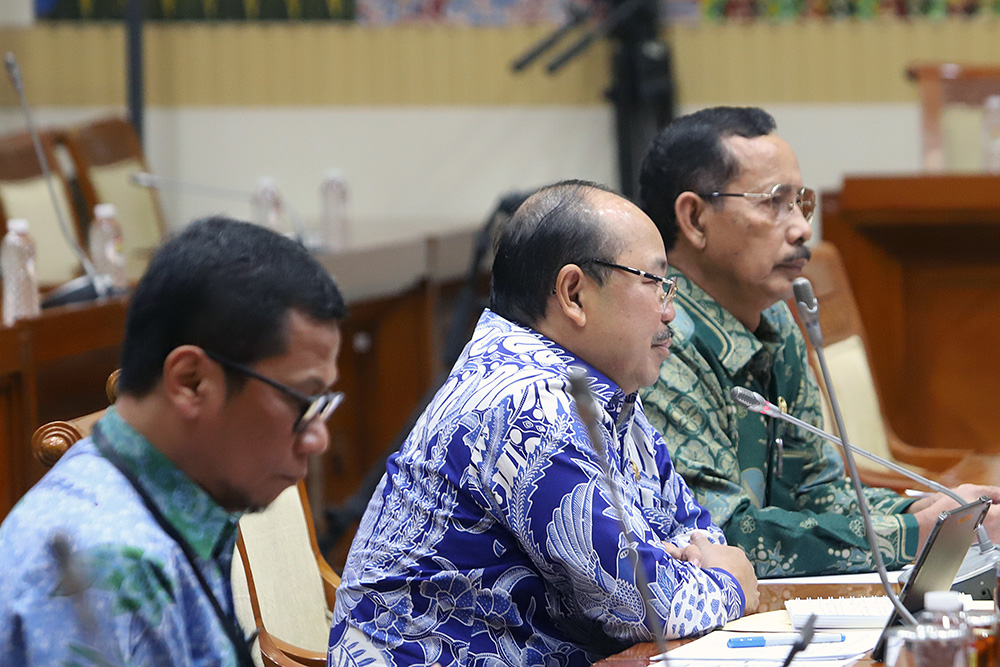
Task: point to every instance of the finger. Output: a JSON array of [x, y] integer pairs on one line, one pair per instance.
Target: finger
[[699, 539], [673, 550], [692, 554]]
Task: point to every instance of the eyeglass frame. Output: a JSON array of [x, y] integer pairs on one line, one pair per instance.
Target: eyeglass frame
[[669, 285], [312, 407], [770, 195]]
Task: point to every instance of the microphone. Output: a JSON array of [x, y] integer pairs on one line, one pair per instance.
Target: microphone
[[91, 285], [808, 307], [975, 575], [809, 311], [579, 389]]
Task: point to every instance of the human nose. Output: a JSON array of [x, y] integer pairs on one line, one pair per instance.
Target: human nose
[[668, 313], [314, 438], [799, 229]]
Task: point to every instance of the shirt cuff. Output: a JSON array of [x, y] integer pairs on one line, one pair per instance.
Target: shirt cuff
[[731, 590]]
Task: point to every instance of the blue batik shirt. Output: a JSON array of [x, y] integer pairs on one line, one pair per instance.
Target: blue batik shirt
[[492, 539], [127, 596]]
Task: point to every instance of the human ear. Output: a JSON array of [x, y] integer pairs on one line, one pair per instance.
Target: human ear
[[570, 283], [190, 380], [690, 210]]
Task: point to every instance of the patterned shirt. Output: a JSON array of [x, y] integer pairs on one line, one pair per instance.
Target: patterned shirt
[[126, 595], [492, 539], [791, 509]]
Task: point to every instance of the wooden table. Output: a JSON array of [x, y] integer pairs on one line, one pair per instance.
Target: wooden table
[[772, 596]]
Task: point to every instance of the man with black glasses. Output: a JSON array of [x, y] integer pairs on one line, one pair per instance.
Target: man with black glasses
[[121, 555], [492, 538], [726, 194]]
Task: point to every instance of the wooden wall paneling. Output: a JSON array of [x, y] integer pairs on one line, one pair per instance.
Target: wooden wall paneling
[[923, 253]]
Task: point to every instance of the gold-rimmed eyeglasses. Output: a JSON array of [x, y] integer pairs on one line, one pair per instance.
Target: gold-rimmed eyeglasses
[[319, 407], [783, 199], [669, 285]]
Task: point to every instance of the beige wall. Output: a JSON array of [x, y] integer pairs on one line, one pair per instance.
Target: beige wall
[[429, 124]]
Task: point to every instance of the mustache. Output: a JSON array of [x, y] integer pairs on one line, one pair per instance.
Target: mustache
[[665, 336], [800, 252]]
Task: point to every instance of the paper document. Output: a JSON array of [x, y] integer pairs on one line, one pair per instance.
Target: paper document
[[712, 649]]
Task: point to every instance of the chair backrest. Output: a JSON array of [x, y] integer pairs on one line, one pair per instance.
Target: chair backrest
[[951, 110], [24, 193], [280, 574], [846, 351], [105, 154], [282, 585]]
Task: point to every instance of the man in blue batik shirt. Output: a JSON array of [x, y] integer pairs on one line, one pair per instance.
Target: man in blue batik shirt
[[492, 538]]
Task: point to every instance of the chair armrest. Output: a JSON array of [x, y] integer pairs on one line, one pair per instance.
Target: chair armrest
[[276, 653], [889, 480], [931, 459], [331, 580]]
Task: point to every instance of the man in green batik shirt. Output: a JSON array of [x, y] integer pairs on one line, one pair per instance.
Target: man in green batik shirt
[[726, 193]]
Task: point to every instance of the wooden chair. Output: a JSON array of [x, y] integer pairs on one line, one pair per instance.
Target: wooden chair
[[282, 584], [24, 193], [846, 352], [951, 101], [105, 154]]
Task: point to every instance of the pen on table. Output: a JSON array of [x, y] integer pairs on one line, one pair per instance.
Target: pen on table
[[782, 639]]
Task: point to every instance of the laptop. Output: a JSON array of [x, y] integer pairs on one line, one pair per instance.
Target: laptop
[[938, 562]]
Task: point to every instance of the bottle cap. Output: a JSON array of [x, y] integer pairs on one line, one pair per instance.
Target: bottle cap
[[17, 225], [105, 211], [943, 601], [992, 102]]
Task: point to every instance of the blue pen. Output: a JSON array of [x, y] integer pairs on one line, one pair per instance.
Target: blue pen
[[782, 640]]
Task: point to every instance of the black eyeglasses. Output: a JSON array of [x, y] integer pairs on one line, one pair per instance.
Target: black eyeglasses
[[669, 285], [319, 407], [783, 199]]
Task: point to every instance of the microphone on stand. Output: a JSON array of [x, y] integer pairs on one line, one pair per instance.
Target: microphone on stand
[[145, 179], [580, 391], [91, 285], [808, 306], [975, 576], [809, 311]]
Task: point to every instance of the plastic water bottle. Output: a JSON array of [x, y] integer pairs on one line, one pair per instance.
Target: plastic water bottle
[[105, 245], [268, 209], [334, 226], [941, 637], [991, 134], [17, 264]]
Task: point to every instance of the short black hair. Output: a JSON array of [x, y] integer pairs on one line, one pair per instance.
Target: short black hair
[[225, 286], [554, 227], [688, 155]]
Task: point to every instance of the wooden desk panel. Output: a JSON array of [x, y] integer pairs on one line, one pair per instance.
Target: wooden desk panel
[[52, 367], [16, 413]]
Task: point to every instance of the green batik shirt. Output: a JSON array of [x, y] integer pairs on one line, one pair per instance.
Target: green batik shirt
[[790, 508]]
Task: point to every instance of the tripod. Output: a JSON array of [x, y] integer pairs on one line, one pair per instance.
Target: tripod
[[642, 87]]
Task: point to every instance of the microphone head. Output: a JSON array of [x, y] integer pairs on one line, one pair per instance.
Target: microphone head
[[751, 400], [803, 291]]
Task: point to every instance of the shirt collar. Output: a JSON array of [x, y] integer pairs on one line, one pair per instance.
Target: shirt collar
[[206, 526], [730, 341], [608, 394]]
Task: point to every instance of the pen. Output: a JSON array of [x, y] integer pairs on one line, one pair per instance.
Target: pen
[[782, 640]]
